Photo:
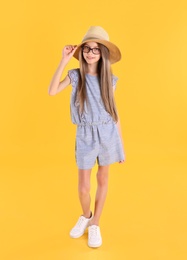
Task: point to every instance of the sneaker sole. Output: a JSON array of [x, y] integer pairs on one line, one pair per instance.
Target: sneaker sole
[[95, 245], [77, 236]]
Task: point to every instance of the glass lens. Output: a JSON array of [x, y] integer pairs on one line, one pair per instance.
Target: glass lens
[[96, 50], [85, 49]]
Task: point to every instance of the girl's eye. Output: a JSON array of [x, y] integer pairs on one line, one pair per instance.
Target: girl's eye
[[96, 50], [86, 48]]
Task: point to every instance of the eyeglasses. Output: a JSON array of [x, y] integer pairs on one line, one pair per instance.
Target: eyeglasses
[[87, 49]]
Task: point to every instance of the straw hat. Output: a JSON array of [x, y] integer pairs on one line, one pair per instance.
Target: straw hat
[[99, 35]]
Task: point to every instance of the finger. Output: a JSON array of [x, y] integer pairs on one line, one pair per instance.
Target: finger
[[68, 47], [121, 161], [71, 48], [74, 48]]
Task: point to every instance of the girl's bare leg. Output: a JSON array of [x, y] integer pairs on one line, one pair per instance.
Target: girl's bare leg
[[84, 191], [102, 188]]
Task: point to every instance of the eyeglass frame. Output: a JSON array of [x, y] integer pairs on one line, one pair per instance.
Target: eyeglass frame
[[91, 49]]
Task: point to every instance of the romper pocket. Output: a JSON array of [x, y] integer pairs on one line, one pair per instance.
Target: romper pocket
[[84, 136]]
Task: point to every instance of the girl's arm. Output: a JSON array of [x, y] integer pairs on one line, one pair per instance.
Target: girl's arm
[[119, 129], [56, 86], [120, 133]]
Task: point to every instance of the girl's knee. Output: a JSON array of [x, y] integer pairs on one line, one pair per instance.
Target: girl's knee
[[102, 177], [84, 182], [84, 190]]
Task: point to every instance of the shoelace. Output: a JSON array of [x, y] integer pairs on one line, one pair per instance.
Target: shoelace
[[93, 232], [80, 222]]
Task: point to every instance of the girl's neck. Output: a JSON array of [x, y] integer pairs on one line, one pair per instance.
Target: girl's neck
[[92, 70]]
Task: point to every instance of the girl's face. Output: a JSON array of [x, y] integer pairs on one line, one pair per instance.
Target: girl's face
[[91, 52]]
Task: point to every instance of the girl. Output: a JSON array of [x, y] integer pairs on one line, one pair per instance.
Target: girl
[[94, 112]]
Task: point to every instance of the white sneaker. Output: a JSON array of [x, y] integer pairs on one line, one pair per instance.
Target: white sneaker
[[94, 236], [80, 227]]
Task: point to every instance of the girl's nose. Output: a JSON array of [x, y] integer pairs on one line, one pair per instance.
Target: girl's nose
[[90, 51]]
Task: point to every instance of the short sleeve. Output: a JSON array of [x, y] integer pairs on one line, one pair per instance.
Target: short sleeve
[[114, 81], [74, 76]]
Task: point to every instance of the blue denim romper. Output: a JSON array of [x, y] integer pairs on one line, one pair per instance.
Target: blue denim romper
[[97, 136]]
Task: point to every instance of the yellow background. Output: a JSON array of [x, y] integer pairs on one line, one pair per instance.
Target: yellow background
[[145, 212]]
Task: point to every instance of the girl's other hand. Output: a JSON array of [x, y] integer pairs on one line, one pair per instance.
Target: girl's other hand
[[122, 161], [68, 52]]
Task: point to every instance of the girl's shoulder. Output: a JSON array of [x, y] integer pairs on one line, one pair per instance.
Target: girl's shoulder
[[114, 79], [74, 76]]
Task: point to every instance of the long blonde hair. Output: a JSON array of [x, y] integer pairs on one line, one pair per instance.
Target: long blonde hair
[[105, 78]]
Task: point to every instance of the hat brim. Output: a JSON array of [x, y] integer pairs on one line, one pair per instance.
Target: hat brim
[[115, 54]]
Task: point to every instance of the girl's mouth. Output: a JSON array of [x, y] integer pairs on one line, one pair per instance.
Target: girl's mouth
[[90, 58]]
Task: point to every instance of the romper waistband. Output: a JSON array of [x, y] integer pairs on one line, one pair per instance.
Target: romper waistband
[[95, 123]]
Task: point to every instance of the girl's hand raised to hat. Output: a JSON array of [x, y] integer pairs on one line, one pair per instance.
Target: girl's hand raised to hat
[[68, 52]]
